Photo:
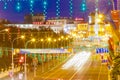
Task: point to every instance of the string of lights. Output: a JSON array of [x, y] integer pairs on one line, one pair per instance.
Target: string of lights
[[71, 8], [18, 6], [58, 8], [83, 6], [5, 5], [31, 6], [45, 8]]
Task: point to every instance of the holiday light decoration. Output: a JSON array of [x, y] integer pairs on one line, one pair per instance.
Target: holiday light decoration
[[31, 6], [58, 8], [45, 8], [83, 6], [18, 6], [71, 8], [5, 5]]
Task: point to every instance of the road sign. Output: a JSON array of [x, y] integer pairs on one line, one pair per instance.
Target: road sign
[[101, 50], [104, 61]]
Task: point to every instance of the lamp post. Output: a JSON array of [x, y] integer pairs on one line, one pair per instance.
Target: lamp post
[[41, 40], [54, 54], [22, 37], [25, 67], [62, 37], [59, 45], [42, 60], [49, 40]]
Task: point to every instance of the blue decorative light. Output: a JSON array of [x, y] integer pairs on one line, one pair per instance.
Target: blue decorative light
[[5, 5], [83, 6], [31, 6], [45, 8], [18, 6], [71, 8], [58, 8]]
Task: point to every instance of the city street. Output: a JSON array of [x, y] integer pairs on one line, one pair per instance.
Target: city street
[[60, 40], [81, 67]]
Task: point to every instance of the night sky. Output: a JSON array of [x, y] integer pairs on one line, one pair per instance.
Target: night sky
[[9, 11]]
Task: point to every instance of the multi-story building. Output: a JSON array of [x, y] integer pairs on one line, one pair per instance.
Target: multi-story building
[[82, 29], [96, 23], [4, 21], [59, 21], [38, 18], [28, 19]]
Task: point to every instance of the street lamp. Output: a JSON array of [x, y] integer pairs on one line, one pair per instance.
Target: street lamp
[[54, 43], [6, 30], [22, 37], [58, 43], [41, 40], [67, 42], [49, 39], [32, 40]]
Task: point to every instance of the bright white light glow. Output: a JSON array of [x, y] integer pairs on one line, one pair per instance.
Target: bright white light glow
[[77, 61]]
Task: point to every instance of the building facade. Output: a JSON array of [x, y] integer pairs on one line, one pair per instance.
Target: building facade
[[34, 19]]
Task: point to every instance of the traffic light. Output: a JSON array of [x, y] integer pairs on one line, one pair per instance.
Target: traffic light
[[21, 59]]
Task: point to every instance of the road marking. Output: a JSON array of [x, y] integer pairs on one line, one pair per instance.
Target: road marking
[[56, 67], [77, 72]]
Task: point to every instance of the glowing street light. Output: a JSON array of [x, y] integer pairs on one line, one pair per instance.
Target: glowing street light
[[62, 37], [101, 16], [41, 40], [66, 38], [6, 30], [59, 39], [49, 39], [55, 40]]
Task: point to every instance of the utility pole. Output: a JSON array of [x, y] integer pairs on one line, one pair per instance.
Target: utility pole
[[96, 27]]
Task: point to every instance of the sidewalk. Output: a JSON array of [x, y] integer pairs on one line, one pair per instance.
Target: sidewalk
[[8, 73]]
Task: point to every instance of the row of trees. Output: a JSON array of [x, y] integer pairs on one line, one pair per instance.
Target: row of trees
[[6, 38], [116, 67]]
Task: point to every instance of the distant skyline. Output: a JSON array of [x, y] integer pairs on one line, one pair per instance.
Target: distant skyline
[[9, 8]]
